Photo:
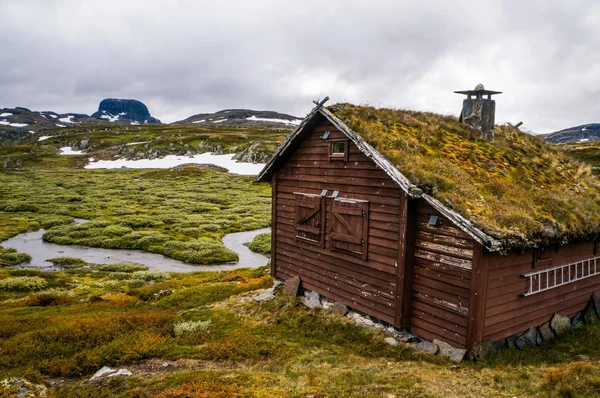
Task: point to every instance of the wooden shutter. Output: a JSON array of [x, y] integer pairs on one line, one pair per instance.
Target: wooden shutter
[[350, 226], [310, 218]]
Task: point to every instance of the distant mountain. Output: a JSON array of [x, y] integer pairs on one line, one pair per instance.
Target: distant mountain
[[583, 133], [243, 117], [124, 111], [16, 123]]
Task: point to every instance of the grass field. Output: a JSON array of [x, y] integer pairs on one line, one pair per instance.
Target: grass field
[[218, 342]]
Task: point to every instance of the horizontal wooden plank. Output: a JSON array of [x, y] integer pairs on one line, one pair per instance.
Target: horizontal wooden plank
[[443, 259], [442, 322], [363, 274], [442, 305], [287, 191], [441, 313], [341, 172], [350, 190], [463, 254], [353, 181], [459, 302], [458, 272], [428, 330], [445, 240], [339, 281], [461, 293], [443, 277]]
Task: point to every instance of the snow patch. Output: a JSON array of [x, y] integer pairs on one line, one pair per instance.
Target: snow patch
[[169, 161], [294, 122], [584, 140], [7, 123], [67, 150], [219, 121], [31, 132], [200, 121], [5, 114], [53, 116], [60, 125], [135, 123], [135, 143], [44, 137], [68, 119]]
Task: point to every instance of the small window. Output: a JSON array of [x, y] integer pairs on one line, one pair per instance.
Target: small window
[[543, 257], [338, 150], [310, 218], [349, 228]]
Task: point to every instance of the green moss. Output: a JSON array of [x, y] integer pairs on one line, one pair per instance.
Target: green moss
[[517, 188], [10, 256], [67, 262], [261, 243]]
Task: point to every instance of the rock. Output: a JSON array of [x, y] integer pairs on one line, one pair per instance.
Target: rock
[[511, 342], [292, 286], [596, 300], [265, 296], [278, 286], [589, 314], [577, 320], [482, 350], [559, 324], [121, 372], [165, 364], [391, 341], [106, 372], [426, 347], [311, 299], [500, 346], [546, 331], [163, 293], [528, 339], [446, 350], [339, 308], [406, 337], [362, 320]]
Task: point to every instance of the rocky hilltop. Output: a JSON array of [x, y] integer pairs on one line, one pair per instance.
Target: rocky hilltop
[[124, 111], [243, 117], [583, 133]]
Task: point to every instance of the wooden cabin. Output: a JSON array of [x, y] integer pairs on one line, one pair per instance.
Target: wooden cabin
[[415, 220]]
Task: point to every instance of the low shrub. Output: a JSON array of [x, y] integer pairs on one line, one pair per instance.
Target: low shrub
[[67, 262], [191, 327], [201, 251], [47, 299], [23, 283], [136, 283], [150, 275], [122, 267], [261, 243], [53, 221], [10, 256], [116, 230]]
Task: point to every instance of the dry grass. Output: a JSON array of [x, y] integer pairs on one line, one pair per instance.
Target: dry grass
[[517, 188]]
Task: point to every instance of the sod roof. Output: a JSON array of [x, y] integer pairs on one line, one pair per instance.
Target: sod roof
[[517, 189]]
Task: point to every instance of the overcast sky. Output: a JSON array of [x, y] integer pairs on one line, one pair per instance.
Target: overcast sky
[[182, 57]]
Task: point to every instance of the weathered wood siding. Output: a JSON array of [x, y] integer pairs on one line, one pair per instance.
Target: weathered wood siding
[[367, 285], [508, 312], [441, 285]]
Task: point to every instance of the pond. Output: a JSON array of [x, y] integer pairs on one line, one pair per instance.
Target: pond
[[33, 244]]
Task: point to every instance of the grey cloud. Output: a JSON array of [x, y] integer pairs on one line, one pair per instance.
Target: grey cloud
[[184, 57]]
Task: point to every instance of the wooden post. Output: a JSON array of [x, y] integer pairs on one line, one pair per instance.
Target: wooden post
[[479, 282], [404, 273], [273, 224]]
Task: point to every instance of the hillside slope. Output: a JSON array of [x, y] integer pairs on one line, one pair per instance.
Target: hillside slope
[[243, 117]]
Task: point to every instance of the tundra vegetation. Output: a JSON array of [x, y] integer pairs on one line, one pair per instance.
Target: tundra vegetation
[[58, 328], [261, 243], [182, 213]]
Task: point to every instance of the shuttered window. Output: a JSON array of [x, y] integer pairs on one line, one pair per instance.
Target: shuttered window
[[310, 218], [349, 226]]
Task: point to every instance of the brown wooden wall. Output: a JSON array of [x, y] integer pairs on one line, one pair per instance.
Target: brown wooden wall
[[442, 279], [366, 285], [508, 313]]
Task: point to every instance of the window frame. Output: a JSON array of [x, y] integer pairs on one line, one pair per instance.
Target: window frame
[[339, 155]]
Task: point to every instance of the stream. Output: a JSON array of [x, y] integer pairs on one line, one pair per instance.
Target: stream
[[33, 244]]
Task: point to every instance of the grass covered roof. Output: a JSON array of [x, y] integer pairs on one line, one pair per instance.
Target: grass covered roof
[[517, 189]]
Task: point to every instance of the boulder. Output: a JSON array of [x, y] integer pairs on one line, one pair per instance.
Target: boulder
[[105, 372], [446, 350], [482, 350], [500, 346], [530, 338], [577, 320], [511, 342], [546, 331], [339, 308], [292, 286], [426, 347], [311, 299], [559, 324], [589, 314], [265, 296], [596, 300], [391, 341]]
